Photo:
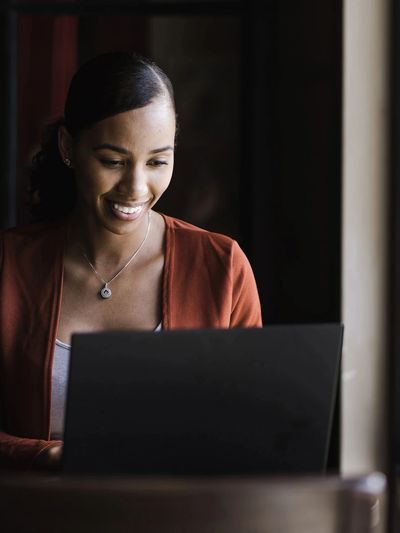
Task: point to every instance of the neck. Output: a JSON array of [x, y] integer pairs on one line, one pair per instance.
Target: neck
[[102, 246]]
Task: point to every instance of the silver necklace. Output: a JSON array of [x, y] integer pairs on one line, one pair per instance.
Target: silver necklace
[[105, 291]]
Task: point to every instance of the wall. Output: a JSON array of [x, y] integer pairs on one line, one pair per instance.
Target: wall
[[364, 233]]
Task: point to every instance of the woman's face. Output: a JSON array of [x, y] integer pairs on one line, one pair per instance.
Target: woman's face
[[123, 164]]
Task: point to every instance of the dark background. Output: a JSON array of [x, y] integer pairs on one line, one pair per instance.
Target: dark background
[[259, 102]]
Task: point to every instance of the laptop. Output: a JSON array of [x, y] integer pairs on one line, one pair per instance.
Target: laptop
[[212, 402]]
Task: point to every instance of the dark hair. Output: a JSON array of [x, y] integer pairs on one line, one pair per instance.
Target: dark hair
[[104, 86]]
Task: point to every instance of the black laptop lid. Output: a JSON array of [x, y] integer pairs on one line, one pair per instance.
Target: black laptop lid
[[202, 402]]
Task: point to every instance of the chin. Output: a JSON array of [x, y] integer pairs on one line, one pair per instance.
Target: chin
[[118, 228]]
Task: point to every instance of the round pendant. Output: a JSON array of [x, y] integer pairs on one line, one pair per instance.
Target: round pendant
[[105, 293]]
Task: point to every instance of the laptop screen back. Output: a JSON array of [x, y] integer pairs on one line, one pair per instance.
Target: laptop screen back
[[202, 402]]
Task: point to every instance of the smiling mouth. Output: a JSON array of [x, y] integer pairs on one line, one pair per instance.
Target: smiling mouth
[[127, 210]]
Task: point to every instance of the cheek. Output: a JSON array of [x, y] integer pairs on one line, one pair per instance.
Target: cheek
[[168, 174], [164, 182], [90, 180]]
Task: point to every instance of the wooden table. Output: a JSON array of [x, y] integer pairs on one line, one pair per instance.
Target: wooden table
[[225, 505]]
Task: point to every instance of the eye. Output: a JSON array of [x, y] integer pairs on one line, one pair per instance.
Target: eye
[[112, 163], [157, 162]]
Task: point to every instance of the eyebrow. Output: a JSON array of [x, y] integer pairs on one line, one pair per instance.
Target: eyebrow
[[124, 151], [112, 147], [163, 149]]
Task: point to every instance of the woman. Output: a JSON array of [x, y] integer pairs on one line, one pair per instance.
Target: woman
[[102, 258]]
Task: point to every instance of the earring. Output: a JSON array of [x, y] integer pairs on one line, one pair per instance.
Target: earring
[[67, 161]]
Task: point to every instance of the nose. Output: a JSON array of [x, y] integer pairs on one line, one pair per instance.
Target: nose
[[133, 183]]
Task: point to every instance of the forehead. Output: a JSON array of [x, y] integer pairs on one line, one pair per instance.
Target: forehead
[[152, 123]]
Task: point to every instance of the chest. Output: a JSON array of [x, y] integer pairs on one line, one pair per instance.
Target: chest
[[135, 302]]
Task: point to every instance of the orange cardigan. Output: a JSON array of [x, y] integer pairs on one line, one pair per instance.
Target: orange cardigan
[[207, 283]]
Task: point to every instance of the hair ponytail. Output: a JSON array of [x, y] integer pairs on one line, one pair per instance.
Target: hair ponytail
[[52, 183]]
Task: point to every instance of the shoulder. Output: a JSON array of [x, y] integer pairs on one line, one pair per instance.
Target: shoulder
[[185, 232], [28, 237], [192, 244], [213, 268], [34, 230]]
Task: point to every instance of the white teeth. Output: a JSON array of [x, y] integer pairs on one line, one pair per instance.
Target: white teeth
[[127, 210]]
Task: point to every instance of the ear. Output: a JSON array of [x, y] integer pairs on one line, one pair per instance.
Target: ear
[[65, 145]]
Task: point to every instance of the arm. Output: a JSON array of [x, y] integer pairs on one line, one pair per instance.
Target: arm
[[17, 452], [246, 308]]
